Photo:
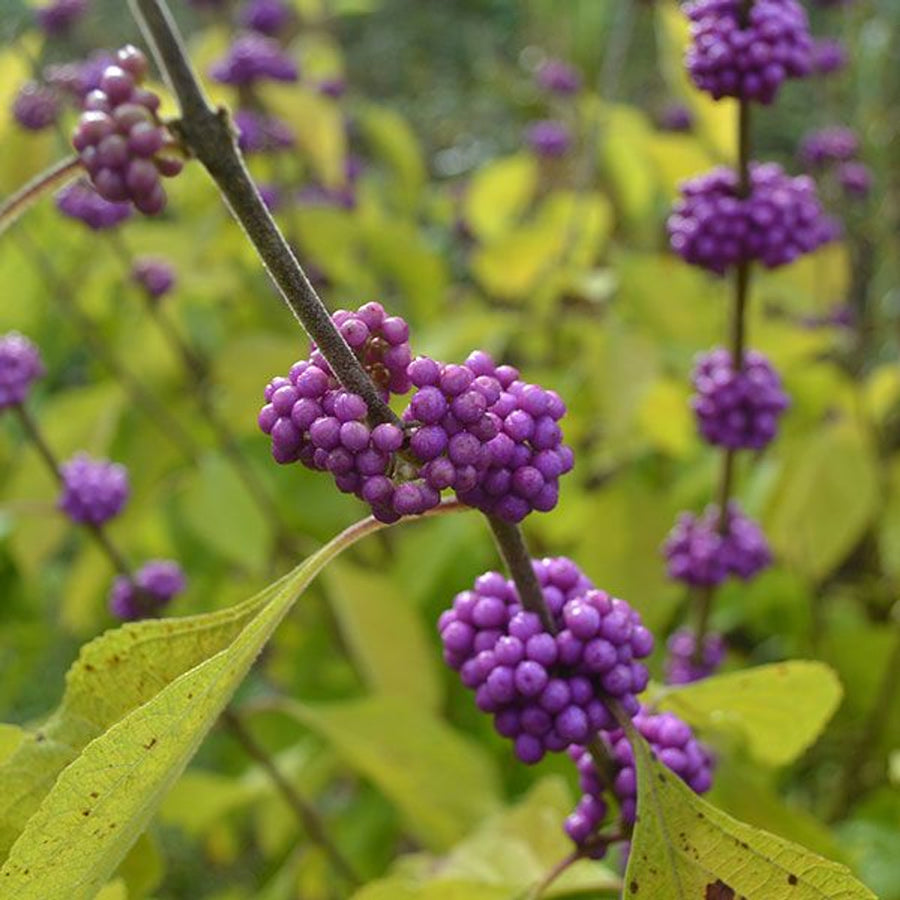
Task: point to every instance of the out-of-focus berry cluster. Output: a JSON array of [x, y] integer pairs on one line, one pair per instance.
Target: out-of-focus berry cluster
[[148, 592], [20, 367], [684, 665], [93, 490]]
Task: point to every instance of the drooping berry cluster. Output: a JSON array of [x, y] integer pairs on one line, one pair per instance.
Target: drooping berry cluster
[[20, 367], [79, 200], [121, 141], [713, 227], [93, 490], [682, 666], [547, 691], [151, 589], [747, 50], [474, 428], [674, 745], [252, 58], [737, 408], [154, 276], [703, 553]]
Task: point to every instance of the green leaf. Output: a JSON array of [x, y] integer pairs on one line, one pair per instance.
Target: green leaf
[[761, 704], [825, 499], [499, 194], [385, 635], [102, 801], [398, 888], [442, 782], [685, 849], [221, 512], [392, 139]]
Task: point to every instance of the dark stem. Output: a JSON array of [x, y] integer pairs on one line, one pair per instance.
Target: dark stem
[[60, 292], [878, 718], [29, 194], [544, 884], [302, 809], [209, 136], [737, 347], [35, 435]]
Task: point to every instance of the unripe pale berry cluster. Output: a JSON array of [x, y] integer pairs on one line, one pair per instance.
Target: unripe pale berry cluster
[[674, 745], [93, 490], [682, 666], [737, 408], [121, 140], [742, 52], [475, 428], [714, 227], [702, 553], [148, 592], [20, 367], [547, 691]]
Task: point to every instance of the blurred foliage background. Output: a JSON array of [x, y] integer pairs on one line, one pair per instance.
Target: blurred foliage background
[[559, 267]]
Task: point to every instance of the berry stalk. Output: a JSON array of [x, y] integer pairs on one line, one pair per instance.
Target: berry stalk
[[42, 184], [209, 135]]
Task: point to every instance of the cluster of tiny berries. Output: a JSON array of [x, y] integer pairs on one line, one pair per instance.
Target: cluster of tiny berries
[[827, 145], [93, 490], [747, 53], [148, 591], [683, 665], [714, 227], [254, 57], [674, 745], [121, 140], [737, 408], [20, 367], [701, 552], [475, 428], [79, 200], [547, 690]]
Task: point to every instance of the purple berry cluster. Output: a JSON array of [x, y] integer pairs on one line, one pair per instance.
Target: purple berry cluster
[[558, 77], [714, 227], [747, 53], [549, 138], [702, 553], [36, 106], [20, 367], [268, 17], [261, 133], [828, 55], [836, 144], [252, 58], [674, 745], [79, 200], [154, 276], [682, 666], [58, 17], [475, 428], [547, 691], [675, 117], [737, 408], [93, 490], [121, 140], [151, 589], [78, 79]]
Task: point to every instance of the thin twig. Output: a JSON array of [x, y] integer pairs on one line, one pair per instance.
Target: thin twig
[[57, 175], [305, 812]]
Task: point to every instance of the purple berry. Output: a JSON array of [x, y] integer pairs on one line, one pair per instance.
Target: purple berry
[[152, 588], [93, 491], [20, 367]]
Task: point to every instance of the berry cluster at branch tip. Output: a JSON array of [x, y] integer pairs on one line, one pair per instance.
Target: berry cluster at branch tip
[[682, 665], [747, 53], [151, 589], [20, 367], [702, 552], [737, 408], [546, 690], [93, 490], [714, 227], [121, 140], [474, 428]]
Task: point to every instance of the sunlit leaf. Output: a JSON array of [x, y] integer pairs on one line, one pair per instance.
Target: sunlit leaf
[[762, 705], [499, 194]]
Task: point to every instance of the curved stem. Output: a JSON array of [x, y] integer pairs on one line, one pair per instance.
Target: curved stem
[[56, 176], [208, 134], [543, 885], [305, 812]]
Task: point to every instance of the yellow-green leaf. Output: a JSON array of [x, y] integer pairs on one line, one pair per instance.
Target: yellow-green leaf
[[685, 849], [779, 709], [499, 194], [400, 747]]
